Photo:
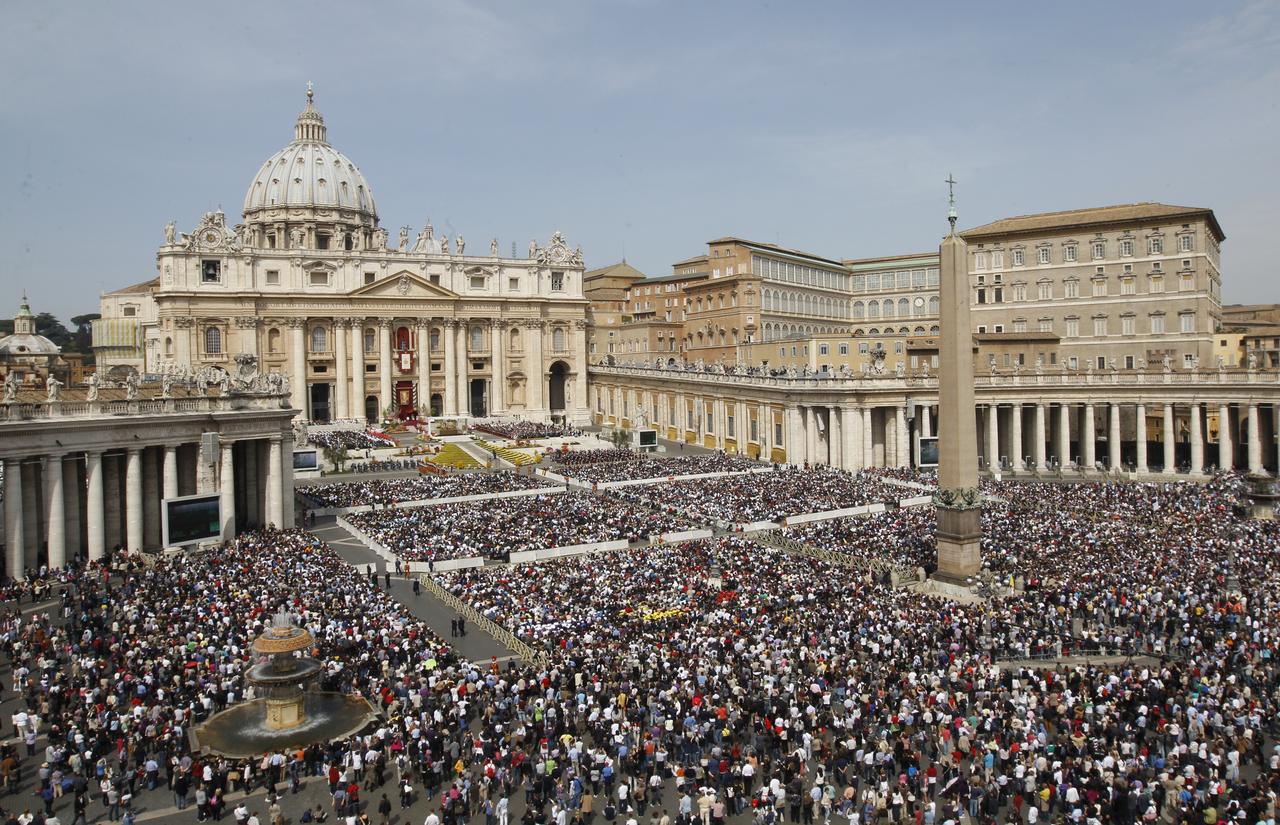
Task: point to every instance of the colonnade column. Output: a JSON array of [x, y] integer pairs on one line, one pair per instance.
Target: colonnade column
[[851, 431], [537, 372], [580, 372], [1113, 439], [133, 500], [95, 524], [286, 482], [868, 438], [795, 446], [298, 364], [904, 438], [1140, 436], [1166, 435], [1037, 451], [1225, 451], [275, 513], [424, 367], [384, 364], [835, 438], [227, 491], [1197, 441], [460, 352], [450, 367], [1255, 440], [55, 510], [993, 437], [498, 372], [342, 380], [357, 369], [926, 421], [14, 528], [1015, 435], [1064, 434], [71, 487], [1088, 438]]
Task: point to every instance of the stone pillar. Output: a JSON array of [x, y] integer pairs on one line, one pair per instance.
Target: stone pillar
[[809, 420], [926, 421], [868, 438], [450, 367], [357, 369], [993, 437], [1088, 438], [286, 482], [793, 428], [55, 510], [424, 370], [537, 373], [14, 524], [170, 489], [94, 516], [342, 366], [298, 366], [1015, 436], [835, 437], [1197, 441], [1167, 436], [498, 368], [851, 438], [1255, 440], [133, 500], [227, 491], [72, 488], [384, 364], [460, 352], [32, 514], [112, 497], [275, 513], [1225, 450], [150, 498], [1064, 434], [252, 475], [903, 438], [1140, 428], [1037, 448], [1113, 439], [574, 409]]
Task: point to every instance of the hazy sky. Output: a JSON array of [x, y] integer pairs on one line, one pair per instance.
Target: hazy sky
[[639, 129]]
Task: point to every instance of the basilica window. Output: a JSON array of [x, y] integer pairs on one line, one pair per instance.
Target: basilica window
[[212, 341], [368, 340], [477, 338], [211, 272], [273, 277], [559, 340], [318, 278], [273, 341], [557, 281], [319, 340]]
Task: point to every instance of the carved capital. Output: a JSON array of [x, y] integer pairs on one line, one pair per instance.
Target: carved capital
[[296, 323], [384, 323], [581, 323], [341, 323], [532, 323], [243, 322], [184, 322]]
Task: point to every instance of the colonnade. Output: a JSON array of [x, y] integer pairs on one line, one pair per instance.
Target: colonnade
[[60, 506]]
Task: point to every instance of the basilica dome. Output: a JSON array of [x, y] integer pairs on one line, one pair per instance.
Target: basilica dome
[[310, 175]]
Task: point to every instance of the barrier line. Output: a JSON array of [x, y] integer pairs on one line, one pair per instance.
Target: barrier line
[[497, 631]]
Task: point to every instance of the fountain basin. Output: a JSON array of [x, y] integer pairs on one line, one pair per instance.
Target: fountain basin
[[247, 729]]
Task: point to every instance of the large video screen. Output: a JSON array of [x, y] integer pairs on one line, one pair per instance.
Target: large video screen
[[306, 460], [191, 519], [928, 451], [648, 438]]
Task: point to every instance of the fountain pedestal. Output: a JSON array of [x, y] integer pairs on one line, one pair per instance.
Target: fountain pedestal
[[285, 712]]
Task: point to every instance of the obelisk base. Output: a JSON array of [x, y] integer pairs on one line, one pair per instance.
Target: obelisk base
[[959, 539]]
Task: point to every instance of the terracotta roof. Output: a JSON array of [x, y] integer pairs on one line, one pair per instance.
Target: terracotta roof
[[621, 269], [868, 263], [773, 247], [1122, 213], [145, 286]]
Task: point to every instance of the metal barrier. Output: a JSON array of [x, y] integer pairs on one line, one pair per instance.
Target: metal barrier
[[903, 574], [526, 653]]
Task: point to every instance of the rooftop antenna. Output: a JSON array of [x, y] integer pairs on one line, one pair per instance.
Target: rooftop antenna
[[951, 199]]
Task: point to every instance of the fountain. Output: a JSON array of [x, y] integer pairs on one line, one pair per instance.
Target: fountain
[[289, 712]]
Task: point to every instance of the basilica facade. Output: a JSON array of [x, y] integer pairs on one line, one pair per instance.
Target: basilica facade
[[361, 325]]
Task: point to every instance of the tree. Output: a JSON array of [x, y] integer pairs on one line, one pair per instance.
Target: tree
[[337, 456], [51, 328], [82, 338]]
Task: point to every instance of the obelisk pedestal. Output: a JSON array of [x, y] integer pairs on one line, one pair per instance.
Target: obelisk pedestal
[[958, 503]]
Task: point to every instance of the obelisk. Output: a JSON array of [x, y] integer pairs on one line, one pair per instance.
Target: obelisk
[[959, 505]]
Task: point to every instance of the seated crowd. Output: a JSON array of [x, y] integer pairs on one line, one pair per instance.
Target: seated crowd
[[350, 440], [601, 472], [602, 455], [420, 488], [498, 527], [518, 430]]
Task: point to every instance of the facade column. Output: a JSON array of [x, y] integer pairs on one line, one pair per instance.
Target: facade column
[[1225, 450], [809, 420], [579, 399], [851, 432], [903, 437], [1113, 439], [1197, 441], [252, 475], [298, 366], [1088, 438], [72, 486], [460, 352], [1038, 451], [1140, 428], [424, 369], [764, 434], [498, 369], [835, 437], [170, 489], [32, 514], [1064, 434], [926, 421], [55, 510], [286, 483], [1015, 436], [450, 367], [151, 535], [1166, 434], [357, 369], [275, 514], [94, 516], [868, 438], [384, 364], [342, 366], [227, 491], [133, 500], [993, 437], [14, 526], [537, 373], [1255, 440]]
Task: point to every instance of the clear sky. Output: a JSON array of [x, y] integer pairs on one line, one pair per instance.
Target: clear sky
[[640, 129]]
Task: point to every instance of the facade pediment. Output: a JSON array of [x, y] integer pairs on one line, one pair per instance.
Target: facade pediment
[[405, 285], [327, 266]]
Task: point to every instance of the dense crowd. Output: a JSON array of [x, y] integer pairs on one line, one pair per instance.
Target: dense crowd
[[601, 472], [498, 527], [762, 496], [358, 440], [601, 455], [420, 488], [518, 430]]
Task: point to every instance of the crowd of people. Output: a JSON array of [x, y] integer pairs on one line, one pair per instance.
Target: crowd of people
[[419, 488], [495, 528], [762, 496], [635, 469], [351, 440], [518, 430]]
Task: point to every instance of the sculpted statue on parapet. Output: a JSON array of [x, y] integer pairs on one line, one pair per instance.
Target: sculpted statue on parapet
[[166, 384], [1252, 359], [224, 382], [93, 381], [493, 247], [131, 386], [1166, 363], [299, 433], [54, 388], [404, 239], [380, 239], [170, 233]]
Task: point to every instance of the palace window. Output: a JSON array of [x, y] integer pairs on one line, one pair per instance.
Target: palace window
[[1100, 325], [1044, 290], [1018, 257], [1099, 250], [1073, 328], [1155, 246], [1044, 254], [1187, 321], [1128, 325], [1126, 249], [1157, 324], [1069, 253], [1185, 243]]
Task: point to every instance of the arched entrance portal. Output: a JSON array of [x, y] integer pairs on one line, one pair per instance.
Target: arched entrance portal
[[559, 376], [371, 408], [437, 404]]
